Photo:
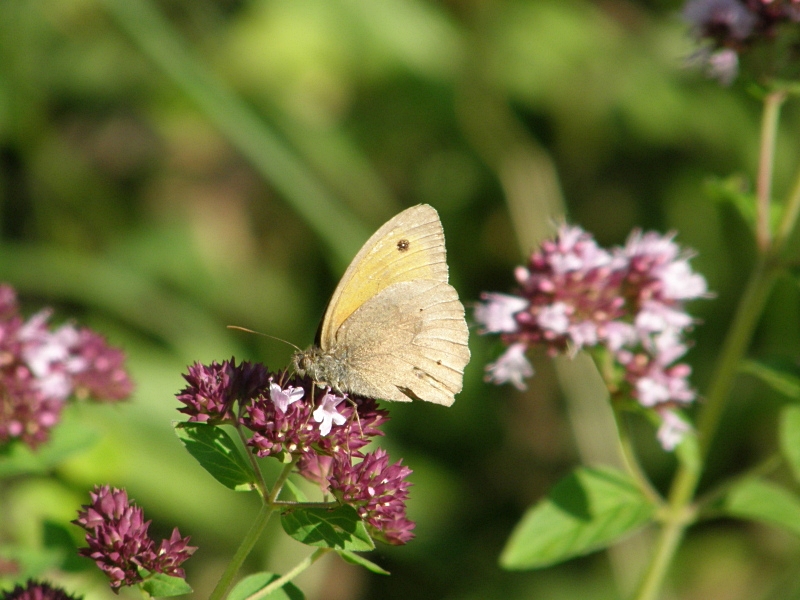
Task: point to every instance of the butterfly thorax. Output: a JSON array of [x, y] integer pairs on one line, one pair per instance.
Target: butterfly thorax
[[325, 368]]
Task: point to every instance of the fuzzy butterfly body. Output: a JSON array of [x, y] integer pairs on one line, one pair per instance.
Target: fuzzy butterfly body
[[394, 327]]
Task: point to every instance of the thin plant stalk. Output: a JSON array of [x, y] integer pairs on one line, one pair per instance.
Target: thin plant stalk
[[226, 581], [680, 512], [283, 580], [632, 463], [789, 217], [769, 130]]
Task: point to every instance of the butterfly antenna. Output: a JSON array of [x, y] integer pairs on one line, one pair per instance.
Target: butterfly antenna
[[264, 334]]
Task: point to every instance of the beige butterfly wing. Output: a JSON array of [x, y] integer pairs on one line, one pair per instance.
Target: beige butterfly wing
[[395, 323]]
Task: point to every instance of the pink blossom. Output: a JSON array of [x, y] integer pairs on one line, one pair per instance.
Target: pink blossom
[[511, 367], [283, 398], [327, 415], [672, 430], [575, 295], [496, 313]]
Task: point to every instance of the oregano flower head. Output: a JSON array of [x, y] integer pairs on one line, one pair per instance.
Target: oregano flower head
[[627, 301]]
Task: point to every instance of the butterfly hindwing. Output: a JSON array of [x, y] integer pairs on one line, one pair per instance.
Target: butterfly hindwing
[[407, 342]]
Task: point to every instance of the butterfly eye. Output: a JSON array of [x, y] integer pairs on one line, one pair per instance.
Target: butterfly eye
[[403, 245]]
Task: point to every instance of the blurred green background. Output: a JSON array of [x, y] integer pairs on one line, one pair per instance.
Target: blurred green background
[[169, 168]]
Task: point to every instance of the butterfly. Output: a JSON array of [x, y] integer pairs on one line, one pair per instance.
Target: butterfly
[[394, 328]]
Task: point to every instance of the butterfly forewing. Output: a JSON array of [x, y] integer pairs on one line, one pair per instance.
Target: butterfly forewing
[[409, 247]]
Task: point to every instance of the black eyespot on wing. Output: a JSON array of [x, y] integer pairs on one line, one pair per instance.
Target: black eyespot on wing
[[403, 245]]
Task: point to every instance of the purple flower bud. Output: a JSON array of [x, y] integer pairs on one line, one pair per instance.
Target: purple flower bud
[[734, 30], [213, 389], [33, 590], [119, 543], [378, 492]]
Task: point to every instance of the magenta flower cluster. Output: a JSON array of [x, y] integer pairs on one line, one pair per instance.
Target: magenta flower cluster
[[629, 301], [41, 367], [291, 418], [734, 29], [119, 543], [33, 590]]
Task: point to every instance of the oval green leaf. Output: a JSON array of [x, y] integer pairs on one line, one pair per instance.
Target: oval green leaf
[[339, 528], [763, 501], [586, 511], [159, 585], [217, 453]]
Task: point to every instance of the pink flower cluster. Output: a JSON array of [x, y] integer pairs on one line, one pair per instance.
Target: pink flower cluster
[[629, 300], [34, 590], [40, 368], [734, 29], [119, 543], [290, 417]]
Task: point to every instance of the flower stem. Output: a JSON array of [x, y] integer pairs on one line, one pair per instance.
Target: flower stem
[[279, 483], [299, 568], [769, 129], [750, 307], [686, 479], [680, 513], [631, 462], [789, 217], [225, 582]]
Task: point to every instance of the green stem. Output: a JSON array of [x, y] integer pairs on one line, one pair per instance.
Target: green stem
[[686, 478], [288, 504], [750, 308], [299, 568], [789, 216], [769, 130], [225, 582], [679, 513], [631, 462], [276, 489]]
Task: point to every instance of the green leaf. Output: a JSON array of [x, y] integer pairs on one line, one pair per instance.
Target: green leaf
[[790, 437], [159, 585], [587, 510], [357, 559], [217, 453], [782, 382], [66, 440], [258, 581], [733, 190], [339, 528], [765, 502]]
